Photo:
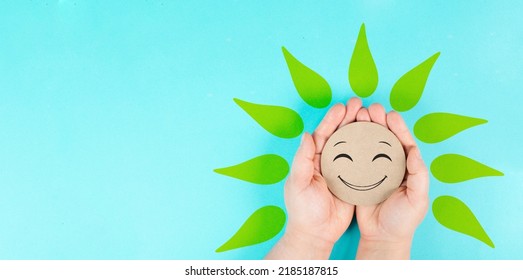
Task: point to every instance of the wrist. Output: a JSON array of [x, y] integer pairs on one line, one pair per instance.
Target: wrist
[[384, 249], [295, 244]]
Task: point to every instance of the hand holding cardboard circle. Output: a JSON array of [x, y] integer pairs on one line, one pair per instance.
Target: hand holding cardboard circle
[[363, 163]]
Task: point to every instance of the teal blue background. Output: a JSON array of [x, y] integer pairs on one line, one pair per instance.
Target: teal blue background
[[113, 115]]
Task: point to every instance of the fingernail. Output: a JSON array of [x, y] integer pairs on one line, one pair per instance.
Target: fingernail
[[302, 138]]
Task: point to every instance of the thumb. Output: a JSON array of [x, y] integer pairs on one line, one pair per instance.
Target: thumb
[[418, 177], [302, 169]]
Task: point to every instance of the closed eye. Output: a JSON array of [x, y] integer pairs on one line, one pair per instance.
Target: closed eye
[[381, 156], [342, 156]]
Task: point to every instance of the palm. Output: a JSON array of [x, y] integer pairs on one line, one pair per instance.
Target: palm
[[311, 207], [399, 215], [317, 219], [395, 218], [320, 211]]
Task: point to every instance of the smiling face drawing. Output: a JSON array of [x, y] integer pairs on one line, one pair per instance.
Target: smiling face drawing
[[363, 163]]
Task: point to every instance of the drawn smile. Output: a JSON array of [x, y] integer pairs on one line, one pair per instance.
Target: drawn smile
[[362, 188]]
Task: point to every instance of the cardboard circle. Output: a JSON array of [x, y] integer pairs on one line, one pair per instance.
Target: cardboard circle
[[363, 163]]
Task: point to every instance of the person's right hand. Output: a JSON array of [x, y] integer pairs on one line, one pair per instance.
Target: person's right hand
[[387, 228]]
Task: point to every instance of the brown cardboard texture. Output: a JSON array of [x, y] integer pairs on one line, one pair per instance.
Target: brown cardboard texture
[[363, 163]]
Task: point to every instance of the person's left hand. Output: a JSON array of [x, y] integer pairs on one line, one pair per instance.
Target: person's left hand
[[316, 218], [387, 228]]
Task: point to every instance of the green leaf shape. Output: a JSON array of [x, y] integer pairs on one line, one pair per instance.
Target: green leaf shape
[[262, 225], [312, 87], [454, 168], [407, 91], [280, 121], [363, 74], [264, 170], [436, 127], [453, 214]]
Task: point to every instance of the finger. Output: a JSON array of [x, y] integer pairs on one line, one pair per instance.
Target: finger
[[363, 115], [365, 212], [353, 106], [328, 125], [344, 209], [418, 178], [377, 114], [303, 166], [397, 125]]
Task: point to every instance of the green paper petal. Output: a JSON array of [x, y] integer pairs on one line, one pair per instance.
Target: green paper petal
[[436, 127], [453, 214], [408, 89], [363, 75], [453, 168], [280, 121], [262, 225], [312, 87], [265, 170]]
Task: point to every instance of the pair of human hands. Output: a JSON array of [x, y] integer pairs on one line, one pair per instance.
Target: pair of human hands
[[317, 218]]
